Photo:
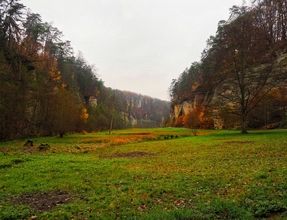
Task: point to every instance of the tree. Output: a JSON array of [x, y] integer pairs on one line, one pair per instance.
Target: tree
[[10, 17], [249, 65], [66, 112]]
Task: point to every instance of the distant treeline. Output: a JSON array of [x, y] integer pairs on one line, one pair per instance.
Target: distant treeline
[[241, 78], [46, 90]]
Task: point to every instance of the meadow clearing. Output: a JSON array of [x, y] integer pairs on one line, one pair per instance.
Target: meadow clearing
[[164, 173]]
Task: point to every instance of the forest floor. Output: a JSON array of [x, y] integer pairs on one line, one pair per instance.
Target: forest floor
[[164, 173]]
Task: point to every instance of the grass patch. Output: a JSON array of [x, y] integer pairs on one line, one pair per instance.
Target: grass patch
[[132, 174]]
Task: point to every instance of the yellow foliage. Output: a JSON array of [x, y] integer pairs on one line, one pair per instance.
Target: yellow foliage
[[84, 114]]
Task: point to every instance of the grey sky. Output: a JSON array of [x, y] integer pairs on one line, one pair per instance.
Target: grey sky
[[136, 45]]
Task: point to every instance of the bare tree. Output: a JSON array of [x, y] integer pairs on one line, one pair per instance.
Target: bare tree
[[251, 66]]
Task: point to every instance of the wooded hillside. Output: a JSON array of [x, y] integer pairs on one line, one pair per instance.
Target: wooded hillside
[[240, 80], [46, 90]]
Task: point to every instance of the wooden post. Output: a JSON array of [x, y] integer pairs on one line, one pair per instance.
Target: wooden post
[[111, 126]]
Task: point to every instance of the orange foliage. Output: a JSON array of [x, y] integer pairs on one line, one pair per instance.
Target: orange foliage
[[179, 121], [197, 119]]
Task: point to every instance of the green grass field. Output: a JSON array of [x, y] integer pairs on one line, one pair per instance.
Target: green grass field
[[140, 174]]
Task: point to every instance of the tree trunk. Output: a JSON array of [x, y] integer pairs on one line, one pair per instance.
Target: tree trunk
[[244, 124], [61, 134], [111, 126]]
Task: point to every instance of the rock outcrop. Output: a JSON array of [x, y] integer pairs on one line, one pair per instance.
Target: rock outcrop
[[205, 99]]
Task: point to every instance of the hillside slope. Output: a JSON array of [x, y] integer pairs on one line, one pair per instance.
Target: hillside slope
[[241, 79], [45, 89]]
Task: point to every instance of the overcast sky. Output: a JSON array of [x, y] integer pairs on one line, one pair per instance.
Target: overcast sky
[[136, 45]]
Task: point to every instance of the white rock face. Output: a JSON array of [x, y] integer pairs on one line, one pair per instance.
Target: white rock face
[[93, 102], [187, 107], [201, 99], [177, 111], [183, 109]]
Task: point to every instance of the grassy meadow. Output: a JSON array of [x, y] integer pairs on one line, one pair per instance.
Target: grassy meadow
[[164, 173]]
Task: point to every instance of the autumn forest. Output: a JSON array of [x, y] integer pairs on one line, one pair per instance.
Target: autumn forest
[[47, 90], [241, 78]]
